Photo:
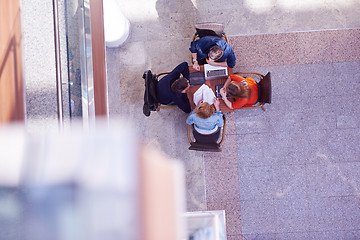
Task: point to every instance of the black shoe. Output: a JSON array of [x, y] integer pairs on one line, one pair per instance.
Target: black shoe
[[146, 110]]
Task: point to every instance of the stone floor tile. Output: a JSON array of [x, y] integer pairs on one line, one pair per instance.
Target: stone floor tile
[[334, 214], [326, 235], [351, 213], [333, 179], [222, 184], [344, 121], [343, 145], [257, 183], [348, 43], [292, 236], [287, 122], [267, 236], [292, 215], [258, 217], [347, 74], [258, 124], [254, 144], [317, 80], [352, 235], [290, 182], [183, 53], [236, 237], [319, 121]]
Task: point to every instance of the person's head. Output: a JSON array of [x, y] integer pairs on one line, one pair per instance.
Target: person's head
[[238, 90], [204, 110], [180, 85], [215, 53]]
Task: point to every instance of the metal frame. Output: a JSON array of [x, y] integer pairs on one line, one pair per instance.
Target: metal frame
[[58, 65]]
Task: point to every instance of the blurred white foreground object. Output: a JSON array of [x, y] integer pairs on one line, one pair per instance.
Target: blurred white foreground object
[[103, 184], [116, 25]]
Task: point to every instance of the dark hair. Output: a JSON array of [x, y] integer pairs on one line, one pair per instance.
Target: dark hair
[[179, 85], [238, 90], [215, 52]]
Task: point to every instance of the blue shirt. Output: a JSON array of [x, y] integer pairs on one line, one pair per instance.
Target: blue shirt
[[166, 95], [206, 124], [203, 45]]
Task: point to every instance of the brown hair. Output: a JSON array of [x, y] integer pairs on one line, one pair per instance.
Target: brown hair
[[204, 110], [179, 85], [215, 52], [238, 90]]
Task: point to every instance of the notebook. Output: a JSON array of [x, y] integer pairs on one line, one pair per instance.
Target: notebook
[[204, 93]]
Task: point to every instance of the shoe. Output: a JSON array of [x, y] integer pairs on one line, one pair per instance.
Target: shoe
[[146, 110]]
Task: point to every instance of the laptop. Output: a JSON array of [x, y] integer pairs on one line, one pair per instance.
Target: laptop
[[212, 72]]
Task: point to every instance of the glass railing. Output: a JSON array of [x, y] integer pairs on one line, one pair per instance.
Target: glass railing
[[80, 64]]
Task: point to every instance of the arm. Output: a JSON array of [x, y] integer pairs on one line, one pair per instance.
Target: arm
[[196, 65], [184, 69], [223, 96], [175, 73], [221, 64], [217, 104], [220, 121], [182, 101], [226, 84]]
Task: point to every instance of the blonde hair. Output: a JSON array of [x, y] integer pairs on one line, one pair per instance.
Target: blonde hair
[[239, 90], [204, 110]]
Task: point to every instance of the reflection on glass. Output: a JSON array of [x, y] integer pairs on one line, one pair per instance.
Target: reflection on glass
[[79, 49]]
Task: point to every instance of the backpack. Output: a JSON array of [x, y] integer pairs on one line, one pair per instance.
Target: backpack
[[151, 102]]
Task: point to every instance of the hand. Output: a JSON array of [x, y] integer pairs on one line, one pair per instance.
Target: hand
[[217, 104], [210, 61], [223, 92], [196, 66]]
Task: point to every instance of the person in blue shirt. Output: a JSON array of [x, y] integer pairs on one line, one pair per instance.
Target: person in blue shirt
[[212, 50], [172, 88], [206, 118]]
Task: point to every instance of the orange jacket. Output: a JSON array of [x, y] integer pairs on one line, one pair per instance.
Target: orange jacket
[[239, 103]]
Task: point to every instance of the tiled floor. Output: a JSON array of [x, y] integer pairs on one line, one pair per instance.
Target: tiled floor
[[291, 172]]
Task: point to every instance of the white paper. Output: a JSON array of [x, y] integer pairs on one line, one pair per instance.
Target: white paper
[[204, 93]]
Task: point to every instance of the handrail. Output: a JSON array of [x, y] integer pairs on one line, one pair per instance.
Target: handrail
[[58, 65]]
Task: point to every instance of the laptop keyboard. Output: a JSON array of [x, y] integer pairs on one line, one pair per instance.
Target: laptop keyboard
[[213, 73]]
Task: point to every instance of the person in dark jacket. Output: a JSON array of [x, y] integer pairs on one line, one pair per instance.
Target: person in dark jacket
[[172, 88], [212, 50]]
